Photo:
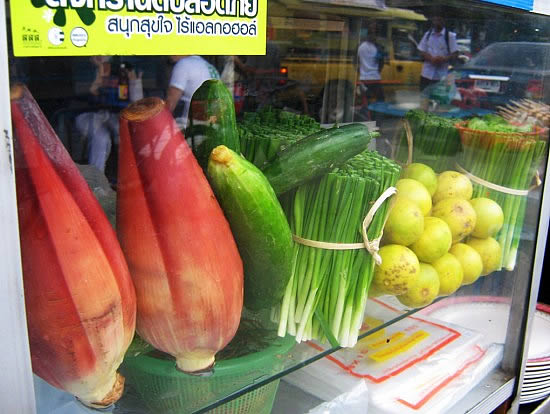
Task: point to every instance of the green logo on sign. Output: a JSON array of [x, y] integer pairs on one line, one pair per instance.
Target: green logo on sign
[[86, 14]]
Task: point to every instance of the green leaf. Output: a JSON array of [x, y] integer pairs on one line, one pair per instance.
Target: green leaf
[[86, 15], [59, 18]]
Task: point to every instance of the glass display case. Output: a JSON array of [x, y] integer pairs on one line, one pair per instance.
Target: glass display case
[[364, 204]]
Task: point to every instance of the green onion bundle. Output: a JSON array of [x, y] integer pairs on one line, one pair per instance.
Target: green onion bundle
[[265, 133], [327, 293], [435, 140], [509, 160]]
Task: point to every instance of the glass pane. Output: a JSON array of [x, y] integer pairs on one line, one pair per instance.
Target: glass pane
[[351, 101], [249, 380]]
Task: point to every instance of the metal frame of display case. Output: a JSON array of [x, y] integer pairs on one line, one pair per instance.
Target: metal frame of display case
[[16, 385], [526, 292]]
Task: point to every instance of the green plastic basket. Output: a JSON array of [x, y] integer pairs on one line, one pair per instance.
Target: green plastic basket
[[165, 390]]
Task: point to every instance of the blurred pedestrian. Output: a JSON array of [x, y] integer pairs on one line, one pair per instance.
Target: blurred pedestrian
[[438, 48], [371, 62], [188, 74], [99, 123]]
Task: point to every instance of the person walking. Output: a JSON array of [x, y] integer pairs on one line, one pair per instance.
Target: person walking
[[371, 61], [438, 48]]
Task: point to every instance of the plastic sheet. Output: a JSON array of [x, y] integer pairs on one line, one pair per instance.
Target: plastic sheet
[[355, 401], [416, 365]]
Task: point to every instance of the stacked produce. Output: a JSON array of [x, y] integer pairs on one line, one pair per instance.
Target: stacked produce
[[180, 249], [501, 160], [435, 140], [80, 301], [327, 292], [265, 133], [437, 238]]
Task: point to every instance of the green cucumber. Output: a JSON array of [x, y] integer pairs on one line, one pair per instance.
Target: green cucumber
[[258, 223], [212, 120], [315, 155]]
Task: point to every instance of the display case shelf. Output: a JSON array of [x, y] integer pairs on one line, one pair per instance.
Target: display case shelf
[[296, 358], [495, 387]]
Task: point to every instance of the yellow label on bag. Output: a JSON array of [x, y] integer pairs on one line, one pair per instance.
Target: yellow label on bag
[[394, 348], [396, 336], [368, 324], [138, 27]]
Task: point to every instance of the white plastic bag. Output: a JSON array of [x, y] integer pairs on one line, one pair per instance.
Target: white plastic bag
[[417, 365], [440, 381], [356, 401]]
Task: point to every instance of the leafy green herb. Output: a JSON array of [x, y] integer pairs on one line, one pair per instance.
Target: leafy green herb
[[329, 288], [265, 133], [508, 158], [435, 140]]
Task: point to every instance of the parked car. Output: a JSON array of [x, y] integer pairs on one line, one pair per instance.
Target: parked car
[[505, 71]]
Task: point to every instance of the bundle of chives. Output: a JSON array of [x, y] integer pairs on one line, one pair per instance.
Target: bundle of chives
[[327, 293], [265, 133], [435, 140], [508, 160]]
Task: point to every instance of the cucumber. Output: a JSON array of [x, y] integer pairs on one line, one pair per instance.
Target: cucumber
[[258, 223], [212, 120], [315, 155]]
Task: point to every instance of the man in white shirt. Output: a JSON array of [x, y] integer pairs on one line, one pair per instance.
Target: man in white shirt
[[438, 47], [370, 63], [188, 74]]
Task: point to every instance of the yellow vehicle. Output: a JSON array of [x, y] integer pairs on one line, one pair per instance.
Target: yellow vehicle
[[403, 62], [319, 58]]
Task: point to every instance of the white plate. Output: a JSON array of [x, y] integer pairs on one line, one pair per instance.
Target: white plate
[[483, 314], [536, 373], [530, 382], [535, 391], [536, 380], [531, 400], [535, 387], [538, 365], [489, 315], [539, 345], [545, 390], [537, 370], [533, 397]]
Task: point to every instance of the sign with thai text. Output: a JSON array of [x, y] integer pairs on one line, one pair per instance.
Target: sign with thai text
[[138, 27]]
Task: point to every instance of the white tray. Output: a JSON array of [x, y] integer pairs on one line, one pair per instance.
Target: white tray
[[489, 314]]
